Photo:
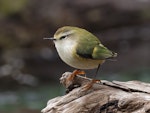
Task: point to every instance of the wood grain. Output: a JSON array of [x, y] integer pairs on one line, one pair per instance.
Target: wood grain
[[104, 97]]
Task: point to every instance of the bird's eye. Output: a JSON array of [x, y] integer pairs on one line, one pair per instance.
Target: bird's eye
[[62, 37]]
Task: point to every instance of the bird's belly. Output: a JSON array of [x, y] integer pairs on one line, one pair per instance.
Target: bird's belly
[[80, 63], [68, 55]]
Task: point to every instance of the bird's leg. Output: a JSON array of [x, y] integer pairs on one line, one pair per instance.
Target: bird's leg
[[93, 81], [90, 84], [74, 73], [97, 70], [72, 76]]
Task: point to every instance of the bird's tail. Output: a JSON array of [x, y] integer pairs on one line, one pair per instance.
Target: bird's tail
[[112, 57]]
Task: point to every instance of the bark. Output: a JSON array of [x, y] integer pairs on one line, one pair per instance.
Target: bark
[[103, 97]]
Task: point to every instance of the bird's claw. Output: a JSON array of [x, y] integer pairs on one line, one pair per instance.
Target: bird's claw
[[90, 84], [70, 79]]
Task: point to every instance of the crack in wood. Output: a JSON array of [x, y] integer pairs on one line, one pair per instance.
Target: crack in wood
[[113, 104]]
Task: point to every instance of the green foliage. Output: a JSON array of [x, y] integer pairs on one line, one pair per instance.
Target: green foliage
[[11, 6]]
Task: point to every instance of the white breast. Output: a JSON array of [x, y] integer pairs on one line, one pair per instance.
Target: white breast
[[66, 51]]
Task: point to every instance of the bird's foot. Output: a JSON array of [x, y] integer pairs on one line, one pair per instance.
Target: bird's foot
[[70, 79], [75, 73], [90, 84]]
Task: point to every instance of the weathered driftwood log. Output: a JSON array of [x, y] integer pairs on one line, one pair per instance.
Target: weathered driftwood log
[[104, 97]]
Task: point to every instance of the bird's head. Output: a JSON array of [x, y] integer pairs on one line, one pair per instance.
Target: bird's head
[[64, 33]]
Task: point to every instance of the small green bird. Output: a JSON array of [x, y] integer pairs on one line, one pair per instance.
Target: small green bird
[[79, 48]]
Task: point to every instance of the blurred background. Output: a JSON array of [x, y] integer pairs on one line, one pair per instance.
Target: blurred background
[[30, 67]]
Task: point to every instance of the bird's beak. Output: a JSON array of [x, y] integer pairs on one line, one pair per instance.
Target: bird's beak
[[52, 38]]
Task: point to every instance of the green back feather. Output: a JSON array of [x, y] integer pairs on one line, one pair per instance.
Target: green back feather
[[90, 47]]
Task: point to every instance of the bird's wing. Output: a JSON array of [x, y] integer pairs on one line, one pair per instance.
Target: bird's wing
[[86, 46], [94, 50], [101, 52]]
